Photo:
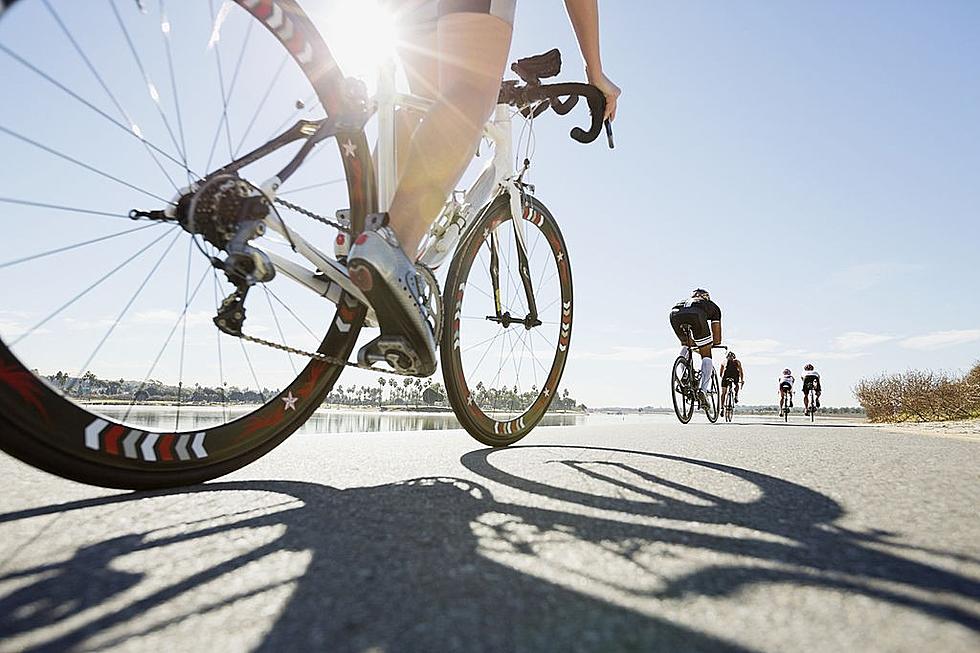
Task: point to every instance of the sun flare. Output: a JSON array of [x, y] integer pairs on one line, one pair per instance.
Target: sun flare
[[361, 35]]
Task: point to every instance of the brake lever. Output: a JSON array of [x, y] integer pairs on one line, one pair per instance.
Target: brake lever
[[609, 135]]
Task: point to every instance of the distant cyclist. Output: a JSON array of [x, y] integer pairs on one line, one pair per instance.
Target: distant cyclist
[[704, 318], [786, 382], [731, 375], [811, 379]]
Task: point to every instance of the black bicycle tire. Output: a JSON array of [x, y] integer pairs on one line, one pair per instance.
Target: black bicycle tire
[[715, 392], [689, 413], [480, 426], [44, 429]]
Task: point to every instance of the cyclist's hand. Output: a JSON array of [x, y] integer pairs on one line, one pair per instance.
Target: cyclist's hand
[[608, 88]]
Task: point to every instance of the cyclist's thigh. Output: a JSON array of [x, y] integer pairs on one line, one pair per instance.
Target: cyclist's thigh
[[679, 319], [502, 9], [473, 51]]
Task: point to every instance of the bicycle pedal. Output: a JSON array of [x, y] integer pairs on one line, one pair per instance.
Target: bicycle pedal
[[394, 351]]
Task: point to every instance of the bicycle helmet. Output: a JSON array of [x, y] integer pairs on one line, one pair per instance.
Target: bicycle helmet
[[808, 367], [731, 355], [701, 292], [787, 371]]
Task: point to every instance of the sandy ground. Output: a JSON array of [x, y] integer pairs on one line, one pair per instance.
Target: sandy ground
[[961, 429]]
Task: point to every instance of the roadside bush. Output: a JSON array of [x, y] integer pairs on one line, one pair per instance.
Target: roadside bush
[[920, 396]]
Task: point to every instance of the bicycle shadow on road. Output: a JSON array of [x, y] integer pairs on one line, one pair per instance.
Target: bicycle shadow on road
[[808, 549], [440, 564], [392, 567]]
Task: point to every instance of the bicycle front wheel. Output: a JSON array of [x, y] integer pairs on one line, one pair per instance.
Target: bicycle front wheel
[[112, 371], [502, 362], [682, 389]]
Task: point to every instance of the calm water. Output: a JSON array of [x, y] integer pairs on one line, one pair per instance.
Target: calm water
[[164, 418]]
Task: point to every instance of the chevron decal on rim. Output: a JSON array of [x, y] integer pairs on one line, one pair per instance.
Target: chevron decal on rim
[[117, 440], [129, 444], [181, 447], [92, 433], [198, 446], [146, 448]]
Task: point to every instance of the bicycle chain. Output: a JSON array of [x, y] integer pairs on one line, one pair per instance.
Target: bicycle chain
[[311, 214], [332, 360]]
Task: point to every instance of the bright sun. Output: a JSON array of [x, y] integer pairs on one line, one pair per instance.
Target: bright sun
[[361, 35]]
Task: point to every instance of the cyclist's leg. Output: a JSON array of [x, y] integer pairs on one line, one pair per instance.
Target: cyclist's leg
[[724, 390], [707, 364], [418, 49], [472, 51], [676, 322]]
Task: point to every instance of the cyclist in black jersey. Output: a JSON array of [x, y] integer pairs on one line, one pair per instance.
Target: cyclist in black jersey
[[811, 379], [732, 375], [704, 318]]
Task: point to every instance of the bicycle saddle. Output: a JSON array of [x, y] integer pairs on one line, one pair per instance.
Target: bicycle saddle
[[541, 66]]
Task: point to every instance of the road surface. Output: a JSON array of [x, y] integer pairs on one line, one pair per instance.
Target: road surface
[[632, 535]]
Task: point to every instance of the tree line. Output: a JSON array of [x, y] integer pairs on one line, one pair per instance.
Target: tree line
[[387, 391]]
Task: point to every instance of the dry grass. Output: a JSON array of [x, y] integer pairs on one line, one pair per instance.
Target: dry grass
[[920, 396]]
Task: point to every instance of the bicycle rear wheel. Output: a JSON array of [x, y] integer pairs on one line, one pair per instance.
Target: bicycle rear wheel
[[111, 369], [501, 370], [729, 405], [712, 410], [682, 389]]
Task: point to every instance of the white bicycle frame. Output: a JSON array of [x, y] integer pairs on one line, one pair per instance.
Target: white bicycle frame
[[498, 176]]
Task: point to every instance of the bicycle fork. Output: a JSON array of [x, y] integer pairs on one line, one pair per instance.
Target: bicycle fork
[[517, 220]]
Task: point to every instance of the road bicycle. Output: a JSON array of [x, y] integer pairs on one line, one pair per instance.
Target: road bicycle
[[685, 383], [130, 217], [786, 408], [811, 396], [728, 408]]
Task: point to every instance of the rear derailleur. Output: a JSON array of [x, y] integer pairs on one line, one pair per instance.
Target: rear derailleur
[[229, 212]]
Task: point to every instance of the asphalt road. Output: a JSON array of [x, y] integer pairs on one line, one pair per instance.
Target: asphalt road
[[612, 537]]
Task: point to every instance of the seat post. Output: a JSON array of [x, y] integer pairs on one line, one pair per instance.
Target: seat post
[[387, 175]]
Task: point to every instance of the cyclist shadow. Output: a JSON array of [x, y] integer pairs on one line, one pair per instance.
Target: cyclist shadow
[[392, 567], [435, 563], [809, 548]]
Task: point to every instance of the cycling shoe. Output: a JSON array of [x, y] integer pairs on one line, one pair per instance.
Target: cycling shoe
[[387, 277]]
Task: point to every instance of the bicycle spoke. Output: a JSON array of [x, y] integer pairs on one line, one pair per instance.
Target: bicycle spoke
[[221, 366], [151, 87], [87, 290], [165, 28], [70, 159], [66, 248], [282, 336], [123, 312], [73, 209], [133, 129], [224, 123], [332, 182], [166, 343], [489, 348], [474, 346], [183, 333], [268, 91], [258, 386], [293, 313]]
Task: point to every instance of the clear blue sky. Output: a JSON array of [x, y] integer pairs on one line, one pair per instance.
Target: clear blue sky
[[816, 166]]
